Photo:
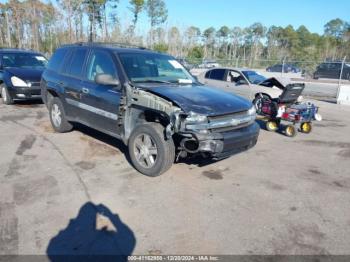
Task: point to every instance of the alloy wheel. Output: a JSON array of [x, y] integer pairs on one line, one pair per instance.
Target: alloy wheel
[[145, 150], [56, 115]]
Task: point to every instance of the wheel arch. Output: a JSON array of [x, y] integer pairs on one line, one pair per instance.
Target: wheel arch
[[140, 115], [47, 95], [263, 94]]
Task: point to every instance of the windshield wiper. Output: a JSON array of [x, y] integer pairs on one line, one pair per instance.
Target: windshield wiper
[[152, 81]]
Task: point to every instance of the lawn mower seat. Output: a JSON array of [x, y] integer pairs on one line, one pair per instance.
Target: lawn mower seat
[[291, 93]]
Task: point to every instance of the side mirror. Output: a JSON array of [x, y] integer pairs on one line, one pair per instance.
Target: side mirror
[[106, 80]]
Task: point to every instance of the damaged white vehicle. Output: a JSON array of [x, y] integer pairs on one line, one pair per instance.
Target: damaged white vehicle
[[244, 82], [149, 101]]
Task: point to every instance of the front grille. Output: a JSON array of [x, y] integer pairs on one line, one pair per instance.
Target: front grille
[[227, 116], [35, 84], [229, 119]]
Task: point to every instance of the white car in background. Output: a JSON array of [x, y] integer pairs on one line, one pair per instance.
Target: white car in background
[[244, 82], [209, 64]]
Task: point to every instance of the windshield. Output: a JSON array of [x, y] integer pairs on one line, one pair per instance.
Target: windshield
[[157, 68], [254, 77], [24, 60]]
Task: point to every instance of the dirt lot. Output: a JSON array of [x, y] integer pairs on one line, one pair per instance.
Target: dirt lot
[[285, 196]]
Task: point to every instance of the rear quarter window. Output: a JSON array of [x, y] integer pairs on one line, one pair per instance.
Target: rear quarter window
[[77, 61], [57, 59], [207, 74]]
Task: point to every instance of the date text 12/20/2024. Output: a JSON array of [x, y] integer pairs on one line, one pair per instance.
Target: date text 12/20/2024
[[173, 258]]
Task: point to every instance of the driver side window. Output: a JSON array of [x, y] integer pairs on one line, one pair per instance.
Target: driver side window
[[100, 62], [235, 77]]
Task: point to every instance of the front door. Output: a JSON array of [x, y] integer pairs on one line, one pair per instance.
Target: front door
[[101, 102], [238, 84]]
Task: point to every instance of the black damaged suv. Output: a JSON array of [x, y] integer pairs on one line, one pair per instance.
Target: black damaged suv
[[149, 101], [20, 74]]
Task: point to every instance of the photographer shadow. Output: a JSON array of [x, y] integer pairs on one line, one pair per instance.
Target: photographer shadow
[[96, 234]]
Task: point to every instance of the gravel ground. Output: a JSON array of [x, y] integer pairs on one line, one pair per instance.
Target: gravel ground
[[284, 196]]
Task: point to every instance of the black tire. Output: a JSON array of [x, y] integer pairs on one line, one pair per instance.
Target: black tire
[[62, 126], [258, 101], [165, 149], [5, 95]]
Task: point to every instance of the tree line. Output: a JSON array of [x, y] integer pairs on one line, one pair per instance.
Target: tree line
[[46, 25]]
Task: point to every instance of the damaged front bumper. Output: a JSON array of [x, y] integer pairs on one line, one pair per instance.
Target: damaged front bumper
[[220, 145]]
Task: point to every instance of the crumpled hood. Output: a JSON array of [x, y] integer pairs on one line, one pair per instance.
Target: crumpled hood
[[201, 99], [26, 74]]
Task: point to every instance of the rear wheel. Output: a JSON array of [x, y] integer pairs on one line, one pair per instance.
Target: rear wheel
[[306, 128], [291, 131], [150, 152], [58, 118], [6, 97]]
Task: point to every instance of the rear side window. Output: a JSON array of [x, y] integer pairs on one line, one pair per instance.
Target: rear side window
[[77, 61], [217, 74], [324, 66], [57, 59]]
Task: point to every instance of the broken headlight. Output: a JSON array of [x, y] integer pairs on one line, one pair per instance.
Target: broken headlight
[[194, 118], [252, 111], [196, 122]]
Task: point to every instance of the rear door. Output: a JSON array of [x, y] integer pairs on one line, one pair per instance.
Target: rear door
[[215, 78], [71, 81], [334, 70], [101, 102]]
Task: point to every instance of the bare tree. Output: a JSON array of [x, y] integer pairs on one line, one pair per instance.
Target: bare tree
[[157, 13]]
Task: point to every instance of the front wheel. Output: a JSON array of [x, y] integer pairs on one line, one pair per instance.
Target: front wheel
[[306, 128], [258, 103], [6, 97], [150, 152], [291, 131], [58, 118]]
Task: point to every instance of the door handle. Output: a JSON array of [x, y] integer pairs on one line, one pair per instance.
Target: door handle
[[85, 90]]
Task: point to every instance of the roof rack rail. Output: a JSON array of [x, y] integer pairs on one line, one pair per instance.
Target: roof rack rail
[[17, 49], [107, 44]]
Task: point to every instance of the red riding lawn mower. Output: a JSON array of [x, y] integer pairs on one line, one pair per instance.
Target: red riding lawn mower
[[288, 109]]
